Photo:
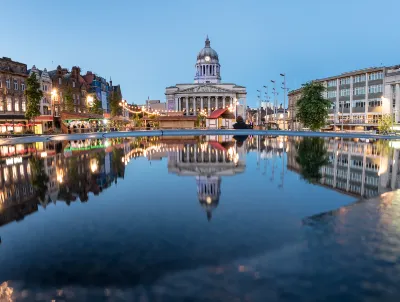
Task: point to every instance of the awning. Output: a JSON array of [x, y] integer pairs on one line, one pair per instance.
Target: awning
[[217, 145], [217, 113]]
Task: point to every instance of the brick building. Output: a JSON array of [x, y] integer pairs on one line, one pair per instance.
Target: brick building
[[12, 100], [64, 80]]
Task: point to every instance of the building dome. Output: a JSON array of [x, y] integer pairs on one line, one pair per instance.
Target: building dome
[[207, 51], [207, 65]]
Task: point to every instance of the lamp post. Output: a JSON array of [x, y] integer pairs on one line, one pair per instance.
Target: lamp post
[[284, 98], [275, 93], [123, 103], [258, 108]]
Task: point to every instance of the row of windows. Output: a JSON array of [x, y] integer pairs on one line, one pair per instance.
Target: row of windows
[[60, 82], [357, 79], [16, 85], [357, 91], [9, 106]]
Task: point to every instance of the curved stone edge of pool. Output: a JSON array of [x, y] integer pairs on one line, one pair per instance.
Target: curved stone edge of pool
[[193, 132]]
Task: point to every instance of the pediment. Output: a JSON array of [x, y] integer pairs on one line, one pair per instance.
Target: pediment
[[205, 89]]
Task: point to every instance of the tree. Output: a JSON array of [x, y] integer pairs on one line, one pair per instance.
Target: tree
[[39, 178], [115, 98], [33, 95], [385, 123], [312, 107], [97, 107], [311, 156], [69, 101]]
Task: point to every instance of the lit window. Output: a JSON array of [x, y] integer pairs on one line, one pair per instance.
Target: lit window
[[9, 104], [73, 84], [16, 106], [23, 106], [59, 81]]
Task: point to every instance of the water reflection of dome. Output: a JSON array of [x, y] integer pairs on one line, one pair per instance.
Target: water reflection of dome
[[208, 192]]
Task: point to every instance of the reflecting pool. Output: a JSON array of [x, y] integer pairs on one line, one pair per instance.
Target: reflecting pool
[[200, 219]]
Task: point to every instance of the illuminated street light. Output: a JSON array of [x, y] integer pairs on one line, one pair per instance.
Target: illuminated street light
[[89, 100]]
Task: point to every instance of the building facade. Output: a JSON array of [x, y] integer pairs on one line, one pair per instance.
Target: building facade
[[45, 121], [358, 98], [100, 87], [63, 82], [207, 94], [12, 99]]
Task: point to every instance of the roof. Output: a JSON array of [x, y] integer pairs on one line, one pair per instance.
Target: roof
[[177, 118], [217, 145], [217, 113]]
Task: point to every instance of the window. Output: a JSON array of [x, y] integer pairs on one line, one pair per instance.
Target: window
[[23, 86], [59, 81], [8, 85], [73, 84], [345, 92], [359, 78], [1, 106], [375, 102], [375, 76], [44, 87], [359, 90], [332, 94], [344, 81], [9, 104], [16, 106], [15, 85], [332, 83], [375, 88], [23, 106], [359, 104], [1, 84]]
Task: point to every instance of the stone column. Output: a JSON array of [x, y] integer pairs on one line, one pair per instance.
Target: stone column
[[231, 101], [187, 105], [223, 102], [209, 105], [194, 105], [176, 104], [366, 98], [201, 103], [396, 118], [351, 100], [216, 102]]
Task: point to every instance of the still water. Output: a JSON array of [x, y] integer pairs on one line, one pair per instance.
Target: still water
[[200, 219]]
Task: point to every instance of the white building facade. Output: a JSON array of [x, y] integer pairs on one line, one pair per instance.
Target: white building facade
[[46, 107], [207, 93]]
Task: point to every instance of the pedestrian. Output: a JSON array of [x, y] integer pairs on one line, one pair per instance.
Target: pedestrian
[[240, 124]]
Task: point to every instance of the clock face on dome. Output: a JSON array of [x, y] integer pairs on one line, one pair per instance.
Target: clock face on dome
[[207, 58]]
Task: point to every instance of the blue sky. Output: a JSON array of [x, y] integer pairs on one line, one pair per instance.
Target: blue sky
[[148, 45]]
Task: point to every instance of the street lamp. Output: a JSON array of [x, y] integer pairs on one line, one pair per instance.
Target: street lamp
[[284, 98], [89, 100], [123, 103], [54, 94], [275, 93]]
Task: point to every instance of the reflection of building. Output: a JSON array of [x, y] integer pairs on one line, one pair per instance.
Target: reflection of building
[[355, 167], [207, 93], [208, 162], [17, 196]]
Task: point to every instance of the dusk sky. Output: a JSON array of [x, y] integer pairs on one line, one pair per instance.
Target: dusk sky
[[146, 46]]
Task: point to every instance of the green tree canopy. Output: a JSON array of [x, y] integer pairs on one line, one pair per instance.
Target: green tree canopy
[[33, 95], [69, 101], [115, 98], [385, 123], [312, 107], [39, 178], [97, 107], [311, 156]]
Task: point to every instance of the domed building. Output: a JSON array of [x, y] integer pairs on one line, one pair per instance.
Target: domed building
[[207, 93]]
